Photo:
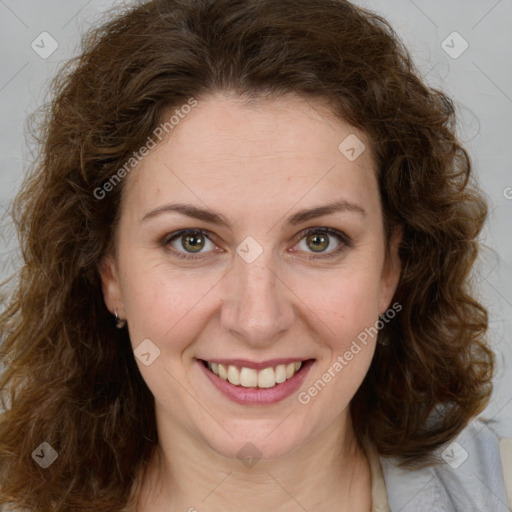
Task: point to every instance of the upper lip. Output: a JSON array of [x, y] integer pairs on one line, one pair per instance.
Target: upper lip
[[256, 365]]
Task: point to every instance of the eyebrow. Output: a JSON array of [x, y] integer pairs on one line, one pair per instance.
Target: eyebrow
[[212, 217]]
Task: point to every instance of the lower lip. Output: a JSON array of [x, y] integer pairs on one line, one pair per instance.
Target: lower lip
[[258, 396]]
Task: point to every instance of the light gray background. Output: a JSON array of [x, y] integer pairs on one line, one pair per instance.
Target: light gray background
[[479, 80]]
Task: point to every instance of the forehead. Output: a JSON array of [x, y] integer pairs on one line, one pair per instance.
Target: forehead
[[290, 126], [226, 152]]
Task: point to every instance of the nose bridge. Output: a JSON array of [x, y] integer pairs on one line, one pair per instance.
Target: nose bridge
[[256, 306]]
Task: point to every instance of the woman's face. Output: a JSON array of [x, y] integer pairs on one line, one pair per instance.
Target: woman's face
[[246, 292]]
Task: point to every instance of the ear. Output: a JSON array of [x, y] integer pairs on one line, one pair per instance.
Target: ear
[[110, 285], [390, 271]]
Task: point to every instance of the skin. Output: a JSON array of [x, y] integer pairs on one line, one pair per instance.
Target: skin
[[256, 165]]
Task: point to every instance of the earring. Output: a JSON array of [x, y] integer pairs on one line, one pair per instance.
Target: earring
[[380, 341], [119, 323]]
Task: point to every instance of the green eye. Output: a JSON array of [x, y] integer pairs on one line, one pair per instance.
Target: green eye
[[316, 240], [193, 242], [319, 242]]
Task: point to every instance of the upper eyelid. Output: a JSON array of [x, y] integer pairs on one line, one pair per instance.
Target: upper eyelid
[[298, 237]]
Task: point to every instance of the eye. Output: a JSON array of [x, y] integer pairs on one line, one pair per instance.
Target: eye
[[189, 243], [192, 241], [318, 240]]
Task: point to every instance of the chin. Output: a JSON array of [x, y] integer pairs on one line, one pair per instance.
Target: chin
[[270, 440]]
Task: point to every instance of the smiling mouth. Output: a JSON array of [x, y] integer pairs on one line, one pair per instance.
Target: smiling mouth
[[265, 378]]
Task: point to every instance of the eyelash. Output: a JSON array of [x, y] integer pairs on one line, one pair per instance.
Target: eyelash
[[346, 242]]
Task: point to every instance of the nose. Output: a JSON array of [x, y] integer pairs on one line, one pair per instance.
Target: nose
[[258, 306]]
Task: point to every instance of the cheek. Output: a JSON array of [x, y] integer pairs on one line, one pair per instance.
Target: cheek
[[167, 305], [346, 303], [168, 308], [347, 309]]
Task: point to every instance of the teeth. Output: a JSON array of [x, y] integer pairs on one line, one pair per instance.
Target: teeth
[[223, 373], [233, 375], [251, 378], [248, 377], [266, 378], [280, 373]]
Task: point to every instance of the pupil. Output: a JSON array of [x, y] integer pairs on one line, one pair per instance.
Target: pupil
[[194, 241], [320, 242]]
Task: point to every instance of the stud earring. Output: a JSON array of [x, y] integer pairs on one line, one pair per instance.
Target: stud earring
[[380, 340], [119, 323]]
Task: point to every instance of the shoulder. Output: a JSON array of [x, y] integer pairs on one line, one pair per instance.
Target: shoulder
[[470, 476]]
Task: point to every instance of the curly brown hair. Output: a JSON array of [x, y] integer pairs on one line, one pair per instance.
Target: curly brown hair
[[70, 377]]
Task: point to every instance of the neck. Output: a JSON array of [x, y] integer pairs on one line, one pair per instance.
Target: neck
[[330, 473]]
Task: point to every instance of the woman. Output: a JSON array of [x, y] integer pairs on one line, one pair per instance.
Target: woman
[[247, 247]]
